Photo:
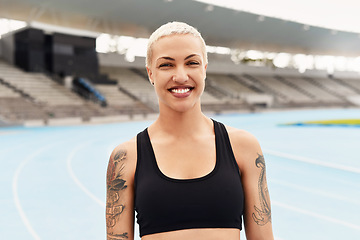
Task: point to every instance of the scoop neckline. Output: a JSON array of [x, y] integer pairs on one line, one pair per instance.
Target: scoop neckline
[[187, 180]]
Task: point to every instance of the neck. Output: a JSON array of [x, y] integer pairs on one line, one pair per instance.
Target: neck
[[182, 123]]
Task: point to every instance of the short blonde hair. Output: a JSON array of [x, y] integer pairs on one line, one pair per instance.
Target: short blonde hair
[[171, 28]]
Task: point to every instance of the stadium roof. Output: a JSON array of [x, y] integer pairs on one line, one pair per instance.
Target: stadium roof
[[219, 26]]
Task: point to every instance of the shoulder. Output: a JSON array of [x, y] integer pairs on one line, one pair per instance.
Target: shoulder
[[243, 139], [127, 148], [124, 157], [245, 146]]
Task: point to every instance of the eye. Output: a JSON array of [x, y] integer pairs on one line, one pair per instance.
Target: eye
[[165, 65], [193, 63]]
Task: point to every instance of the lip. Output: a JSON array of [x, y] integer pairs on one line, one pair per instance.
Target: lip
[[181, 91]]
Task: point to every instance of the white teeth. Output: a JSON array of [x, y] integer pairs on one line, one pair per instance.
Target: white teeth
[[180, 90]]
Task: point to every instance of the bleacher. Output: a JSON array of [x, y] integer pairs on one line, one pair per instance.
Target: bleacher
[[17, 109], [25, 96], [335, 87], [6, 92], [234, 89], [134, 85], [114, 97], [354, 84], [39, 87], [291, 94], [317, 87]]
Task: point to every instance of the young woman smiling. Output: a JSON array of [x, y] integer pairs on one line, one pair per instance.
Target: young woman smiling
[[186, 176]]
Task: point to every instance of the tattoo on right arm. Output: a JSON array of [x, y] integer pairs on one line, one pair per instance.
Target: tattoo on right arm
[[115, 187], [118, 236], [262, 214]]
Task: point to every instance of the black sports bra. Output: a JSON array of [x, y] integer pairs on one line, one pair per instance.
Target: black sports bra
[[164, 204]]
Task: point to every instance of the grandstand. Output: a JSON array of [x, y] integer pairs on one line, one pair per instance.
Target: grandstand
[[35, 96], [28, 96], [42, 93]]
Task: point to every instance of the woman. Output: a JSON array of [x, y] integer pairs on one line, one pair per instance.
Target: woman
[[186, 175]]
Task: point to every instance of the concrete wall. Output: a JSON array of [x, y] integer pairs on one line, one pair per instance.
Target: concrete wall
[[8, 48], [118, 60], [347, 75]]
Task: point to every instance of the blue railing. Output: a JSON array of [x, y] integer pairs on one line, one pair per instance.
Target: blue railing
[[87, 90]]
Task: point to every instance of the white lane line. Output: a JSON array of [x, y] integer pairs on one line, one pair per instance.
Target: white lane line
[[16, 194], [315, 191], [313, 161], [76, 180], [316, 215]]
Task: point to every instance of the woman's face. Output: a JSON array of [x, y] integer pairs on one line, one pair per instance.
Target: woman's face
[[178, 71]]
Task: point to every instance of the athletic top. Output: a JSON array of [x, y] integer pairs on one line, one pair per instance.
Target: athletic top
[[164, 204]]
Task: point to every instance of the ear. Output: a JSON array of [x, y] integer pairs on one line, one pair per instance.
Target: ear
[[149, 72]]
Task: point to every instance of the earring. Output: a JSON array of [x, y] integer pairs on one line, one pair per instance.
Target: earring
[[152, 83]]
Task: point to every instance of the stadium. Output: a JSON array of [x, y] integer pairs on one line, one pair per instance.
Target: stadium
[[73, 85]]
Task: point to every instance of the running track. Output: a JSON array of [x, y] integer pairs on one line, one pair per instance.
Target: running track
[[53, 178]]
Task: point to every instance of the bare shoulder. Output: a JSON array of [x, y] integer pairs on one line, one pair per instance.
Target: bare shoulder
[[125, 155], [242, 138], [245, 146], [128, 147]]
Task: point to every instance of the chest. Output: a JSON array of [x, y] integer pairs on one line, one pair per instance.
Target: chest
[[186, 159], [191, 198]]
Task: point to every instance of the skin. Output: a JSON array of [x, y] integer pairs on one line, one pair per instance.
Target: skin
[[184, 145]]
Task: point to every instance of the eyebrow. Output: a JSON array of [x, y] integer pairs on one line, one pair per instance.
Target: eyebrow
[[172, 59], [190, 56]]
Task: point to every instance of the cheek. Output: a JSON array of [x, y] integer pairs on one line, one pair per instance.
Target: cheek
[[158, 78], [202, 75], [162, 75]]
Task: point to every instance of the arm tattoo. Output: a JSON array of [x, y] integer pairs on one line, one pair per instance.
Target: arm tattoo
[[118, 236], [115, 185], [262, 214]]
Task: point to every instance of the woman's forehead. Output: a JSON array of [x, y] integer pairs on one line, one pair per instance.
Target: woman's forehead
[[178, 44]]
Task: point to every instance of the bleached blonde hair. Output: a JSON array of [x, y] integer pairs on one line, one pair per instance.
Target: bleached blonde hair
[[171, 28]]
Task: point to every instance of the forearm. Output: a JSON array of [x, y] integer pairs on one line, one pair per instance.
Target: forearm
[[119, 199], [258, 225]]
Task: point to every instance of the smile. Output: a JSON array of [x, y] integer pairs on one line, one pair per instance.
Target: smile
[[180, 90]]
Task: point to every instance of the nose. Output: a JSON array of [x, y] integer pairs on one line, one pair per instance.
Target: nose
[[180, 76]]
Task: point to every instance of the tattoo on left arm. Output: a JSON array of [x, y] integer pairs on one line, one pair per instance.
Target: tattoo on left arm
[[262, 215]]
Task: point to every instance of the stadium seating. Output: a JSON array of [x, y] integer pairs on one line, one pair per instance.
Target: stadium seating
[[351, 83], [7, 92], [234, 88], [41, 88], [26, 95]]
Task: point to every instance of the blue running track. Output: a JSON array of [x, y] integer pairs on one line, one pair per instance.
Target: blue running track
[[53, 178]]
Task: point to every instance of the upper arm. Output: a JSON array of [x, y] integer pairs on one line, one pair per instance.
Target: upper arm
[[120, 192], [251, 162]]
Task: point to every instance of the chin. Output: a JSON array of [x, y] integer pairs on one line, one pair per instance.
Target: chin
[[182, 107]]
